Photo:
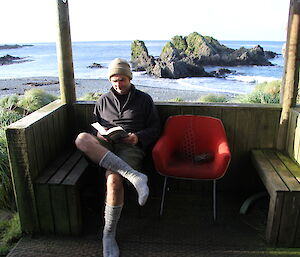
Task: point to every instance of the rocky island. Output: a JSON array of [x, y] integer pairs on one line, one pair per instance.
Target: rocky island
[[185, 57], [9, 59], [15, 46]]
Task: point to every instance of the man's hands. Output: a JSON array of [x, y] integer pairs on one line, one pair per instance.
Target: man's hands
[[101, 137], [131, 139]]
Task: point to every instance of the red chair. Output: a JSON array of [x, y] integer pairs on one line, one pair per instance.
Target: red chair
[[192, 147]]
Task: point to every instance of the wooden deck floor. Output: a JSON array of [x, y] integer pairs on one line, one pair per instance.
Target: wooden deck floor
[[186, 229]]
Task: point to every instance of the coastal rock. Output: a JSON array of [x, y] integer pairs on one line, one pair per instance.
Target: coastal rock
[[140, 59], [95, 66], [221, 73], [186, 56], [270, 54], [42, 83], [9, 59], [170, 64], [12, 46]]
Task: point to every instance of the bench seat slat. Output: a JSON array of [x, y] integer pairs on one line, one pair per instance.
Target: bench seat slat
[[286, 176], [76, 172], [58, 194], [280, 175], [290, 164], [65, 169], [271, 180], [50, 171]]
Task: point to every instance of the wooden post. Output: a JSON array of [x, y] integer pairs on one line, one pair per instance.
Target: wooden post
[[64, 54], [291, 71]]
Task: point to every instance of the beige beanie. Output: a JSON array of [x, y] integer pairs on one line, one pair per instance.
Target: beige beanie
[[119, 67]]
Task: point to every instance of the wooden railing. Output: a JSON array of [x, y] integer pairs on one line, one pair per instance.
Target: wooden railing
[[247, 127]]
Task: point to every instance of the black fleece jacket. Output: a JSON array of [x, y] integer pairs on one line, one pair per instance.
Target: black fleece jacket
[[137, 115]]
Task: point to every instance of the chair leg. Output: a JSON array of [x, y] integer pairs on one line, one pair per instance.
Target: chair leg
[[163, 197], [215, 199]]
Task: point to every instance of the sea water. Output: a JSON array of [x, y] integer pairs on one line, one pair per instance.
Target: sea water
[[43, 62]]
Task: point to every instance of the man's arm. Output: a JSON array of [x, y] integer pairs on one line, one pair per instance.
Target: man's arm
[[151, 132]]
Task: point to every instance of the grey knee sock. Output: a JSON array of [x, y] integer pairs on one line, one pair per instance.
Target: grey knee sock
[[111, 216], [139, 180]]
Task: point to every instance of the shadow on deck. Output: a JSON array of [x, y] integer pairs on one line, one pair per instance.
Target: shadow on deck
[[186, 229]]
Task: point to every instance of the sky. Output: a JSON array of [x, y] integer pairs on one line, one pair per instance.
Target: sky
[[34, 21]]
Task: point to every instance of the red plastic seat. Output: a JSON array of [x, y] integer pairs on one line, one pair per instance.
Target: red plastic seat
[[192, 147]]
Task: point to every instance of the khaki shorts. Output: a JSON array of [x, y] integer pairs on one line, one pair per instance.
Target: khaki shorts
[[131, 154]]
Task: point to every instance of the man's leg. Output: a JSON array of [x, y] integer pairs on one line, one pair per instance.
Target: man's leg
[[112, 212], [116, 169], [108, 160]]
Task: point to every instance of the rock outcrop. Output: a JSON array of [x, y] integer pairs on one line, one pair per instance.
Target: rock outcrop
[[95, 66], [12, 46], [186, 56], [9, 59]]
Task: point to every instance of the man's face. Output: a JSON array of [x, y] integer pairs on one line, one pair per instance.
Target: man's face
[[120, 83]]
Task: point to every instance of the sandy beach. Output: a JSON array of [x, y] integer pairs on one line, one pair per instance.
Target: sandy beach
[[51, 85]]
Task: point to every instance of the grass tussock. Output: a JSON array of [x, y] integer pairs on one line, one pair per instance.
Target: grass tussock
[[90, 97], [10, 233], [7, 200], [214, 98], [177, 99], [263, 93], [13, 108], [34, 99]]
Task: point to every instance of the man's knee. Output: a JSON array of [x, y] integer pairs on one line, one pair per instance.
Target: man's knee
[[82, 140]]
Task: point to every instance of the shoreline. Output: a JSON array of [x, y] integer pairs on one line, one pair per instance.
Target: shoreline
[[51, 85]]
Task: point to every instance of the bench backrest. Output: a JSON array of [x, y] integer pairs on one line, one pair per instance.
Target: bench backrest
[[293, 136]]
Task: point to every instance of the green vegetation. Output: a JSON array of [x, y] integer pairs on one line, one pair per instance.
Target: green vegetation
[[194, 43], [137, 48], [177, 99], [34, 99], [168, 46], [265, 93], [90, 97], [214, 98], [8, 102], [180, 43], [10, 233], [13, 108], [6, 188]]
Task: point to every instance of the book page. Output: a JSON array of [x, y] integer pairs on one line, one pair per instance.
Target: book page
[[110, 131], [100, 128]]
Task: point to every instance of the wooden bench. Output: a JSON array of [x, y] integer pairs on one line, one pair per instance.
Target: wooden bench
[[281, 176], [57, 195]]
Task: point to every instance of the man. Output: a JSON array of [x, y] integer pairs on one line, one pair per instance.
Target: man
[[134, 110]]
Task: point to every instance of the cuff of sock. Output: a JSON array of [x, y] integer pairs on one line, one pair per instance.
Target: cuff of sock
[[100, 162]]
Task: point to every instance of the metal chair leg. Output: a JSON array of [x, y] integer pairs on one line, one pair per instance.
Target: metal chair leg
[[163, 197], [215, 199]]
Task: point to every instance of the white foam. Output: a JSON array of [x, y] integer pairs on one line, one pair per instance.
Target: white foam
[[251, 79]]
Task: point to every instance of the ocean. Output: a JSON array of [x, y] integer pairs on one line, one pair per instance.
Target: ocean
[[43, 62]]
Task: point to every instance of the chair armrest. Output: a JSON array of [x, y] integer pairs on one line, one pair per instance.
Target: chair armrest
[[162, 152], [222, 157]]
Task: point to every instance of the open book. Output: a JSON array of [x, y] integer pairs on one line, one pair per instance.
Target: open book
[[114, 133]]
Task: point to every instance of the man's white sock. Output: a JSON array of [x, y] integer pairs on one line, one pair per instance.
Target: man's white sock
[[111, 217], [139, 180]]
